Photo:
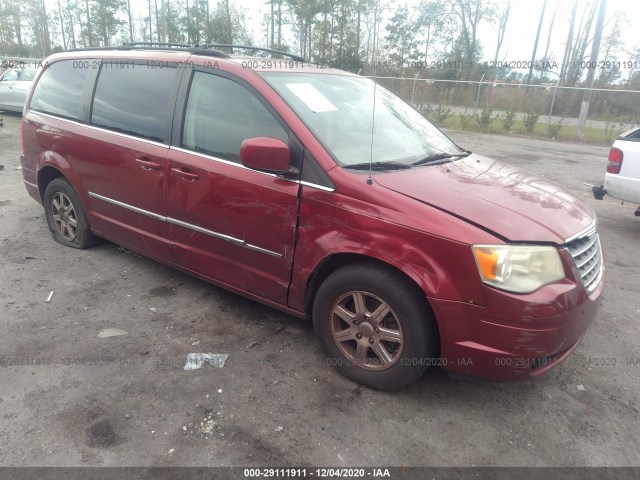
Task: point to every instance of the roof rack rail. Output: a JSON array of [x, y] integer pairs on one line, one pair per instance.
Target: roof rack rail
[[204, 49], [158, 46], [297, 58]]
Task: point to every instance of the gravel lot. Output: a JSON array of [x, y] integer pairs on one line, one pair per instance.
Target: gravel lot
[[76, 399]]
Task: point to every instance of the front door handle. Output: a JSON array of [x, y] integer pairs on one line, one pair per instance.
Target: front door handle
[[186, 175], [147, 164]]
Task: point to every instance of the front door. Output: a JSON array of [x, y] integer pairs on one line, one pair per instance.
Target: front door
[[231, 223]]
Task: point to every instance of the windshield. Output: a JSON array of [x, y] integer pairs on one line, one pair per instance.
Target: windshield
[[338, 109]]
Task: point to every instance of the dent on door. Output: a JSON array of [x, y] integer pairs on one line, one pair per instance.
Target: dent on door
[[232, 224]]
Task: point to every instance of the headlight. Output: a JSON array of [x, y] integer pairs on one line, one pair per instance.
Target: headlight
[[518, 268]]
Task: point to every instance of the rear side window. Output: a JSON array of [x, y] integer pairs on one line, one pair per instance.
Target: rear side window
[[221, 114], [135, 101], [59, 90]]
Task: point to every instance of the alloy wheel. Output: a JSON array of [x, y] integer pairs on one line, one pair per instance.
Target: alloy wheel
[[366, 330], [64, 216]]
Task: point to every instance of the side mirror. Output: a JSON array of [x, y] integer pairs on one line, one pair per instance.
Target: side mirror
[[265, 154]]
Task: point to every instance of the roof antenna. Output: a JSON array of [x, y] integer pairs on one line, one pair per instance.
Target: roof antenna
[[375, 87]]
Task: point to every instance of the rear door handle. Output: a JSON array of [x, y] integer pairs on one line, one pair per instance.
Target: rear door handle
[[186, 175], [147, 164]]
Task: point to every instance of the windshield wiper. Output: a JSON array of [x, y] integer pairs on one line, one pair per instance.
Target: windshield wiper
[[378, 166], [438, 158]]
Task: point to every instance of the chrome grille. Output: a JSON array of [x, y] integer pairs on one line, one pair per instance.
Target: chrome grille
[[587, 257]]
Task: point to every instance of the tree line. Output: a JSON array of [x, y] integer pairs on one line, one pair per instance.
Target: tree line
[[363, 35]]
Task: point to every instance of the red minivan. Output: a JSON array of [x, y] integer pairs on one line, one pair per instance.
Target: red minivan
[[319, 193]]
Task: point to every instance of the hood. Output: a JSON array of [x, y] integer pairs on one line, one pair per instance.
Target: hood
[[514, 204]]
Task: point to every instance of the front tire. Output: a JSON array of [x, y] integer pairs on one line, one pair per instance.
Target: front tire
[[375, 326], [65, 216]]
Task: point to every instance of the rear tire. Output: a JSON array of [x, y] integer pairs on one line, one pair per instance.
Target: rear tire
[[67, 221], [375, 326]]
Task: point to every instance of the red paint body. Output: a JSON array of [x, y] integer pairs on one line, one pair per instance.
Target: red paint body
[[420, 221]]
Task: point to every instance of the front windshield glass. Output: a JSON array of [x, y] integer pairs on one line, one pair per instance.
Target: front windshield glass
[[339, 111]]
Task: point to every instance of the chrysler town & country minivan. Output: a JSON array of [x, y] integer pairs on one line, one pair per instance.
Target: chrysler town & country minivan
[[322, 194]]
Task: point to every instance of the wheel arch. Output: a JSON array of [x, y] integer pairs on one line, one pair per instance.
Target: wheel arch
[[45, 176], [335, 261]]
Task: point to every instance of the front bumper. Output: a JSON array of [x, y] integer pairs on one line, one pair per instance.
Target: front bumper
[[516, 336]]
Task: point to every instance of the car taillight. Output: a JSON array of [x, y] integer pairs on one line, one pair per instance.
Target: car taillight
[[615, 160]]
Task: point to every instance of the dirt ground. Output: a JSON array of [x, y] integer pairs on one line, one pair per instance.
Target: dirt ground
[[70, 398]]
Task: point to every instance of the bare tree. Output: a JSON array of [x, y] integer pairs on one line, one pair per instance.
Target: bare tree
[[273, 18], [612, 42], [130, 20], [149, 10], [595, 48], [470, 13], [553, 20], [535, 43], [582, 41], [11, 22], [273, 22], [61, 20], [569, 44], [71, 11], [38, 23], [304, 13], [89, 35], [503, 20]]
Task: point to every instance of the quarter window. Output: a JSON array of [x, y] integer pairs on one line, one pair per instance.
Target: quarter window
[[136, 101], [221, 114], [59, 90]]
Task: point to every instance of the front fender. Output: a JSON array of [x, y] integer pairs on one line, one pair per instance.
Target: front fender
[[441, 267]]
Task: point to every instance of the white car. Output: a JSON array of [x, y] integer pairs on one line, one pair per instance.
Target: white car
[[15, 84], [622, 180]]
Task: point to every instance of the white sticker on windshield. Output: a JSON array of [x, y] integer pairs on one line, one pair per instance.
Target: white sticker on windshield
[[311, 97]]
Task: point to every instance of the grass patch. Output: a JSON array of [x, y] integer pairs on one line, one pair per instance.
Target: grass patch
[[567, 132]]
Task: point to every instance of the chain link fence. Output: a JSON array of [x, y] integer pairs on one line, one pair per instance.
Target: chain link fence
[[548, 110], [493, 106]]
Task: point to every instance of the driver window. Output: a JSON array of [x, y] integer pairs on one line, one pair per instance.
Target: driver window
[[221, 114]]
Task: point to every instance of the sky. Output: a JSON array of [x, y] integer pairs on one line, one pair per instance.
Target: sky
[[521, 29], [523, 23]]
